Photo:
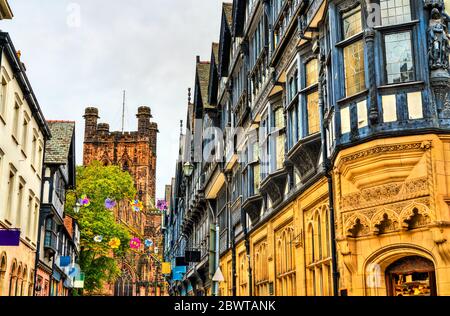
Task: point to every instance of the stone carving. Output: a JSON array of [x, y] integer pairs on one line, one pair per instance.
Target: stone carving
[[385, 149], [401, 216], [357, 226], [438, 54], [440, 237], [385, 222], [387, 193], [438, 41]]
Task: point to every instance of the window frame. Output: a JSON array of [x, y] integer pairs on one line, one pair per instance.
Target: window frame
[[412, 27]]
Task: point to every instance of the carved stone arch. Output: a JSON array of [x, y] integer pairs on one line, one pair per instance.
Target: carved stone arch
[[356, 226], [382, 258], [416, 215], [385, 221]]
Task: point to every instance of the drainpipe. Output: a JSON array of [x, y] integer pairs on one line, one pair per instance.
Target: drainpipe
[[247, 248], [328, 169]]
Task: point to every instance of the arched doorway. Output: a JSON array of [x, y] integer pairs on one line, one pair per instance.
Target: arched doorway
[[411, 276]]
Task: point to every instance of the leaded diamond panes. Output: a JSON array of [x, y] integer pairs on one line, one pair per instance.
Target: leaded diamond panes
[[399, 59], [354, 68]]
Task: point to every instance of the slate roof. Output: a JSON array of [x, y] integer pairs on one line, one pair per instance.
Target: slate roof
[[228, 10], [203, 70], [58, 147]]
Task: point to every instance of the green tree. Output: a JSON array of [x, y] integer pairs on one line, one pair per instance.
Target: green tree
[[97, 260]]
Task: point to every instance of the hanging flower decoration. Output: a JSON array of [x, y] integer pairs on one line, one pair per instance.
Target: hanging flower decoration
[[98, 239], [135, 243], [110, 204], [84, 201], [114, 243], [161, 205], [148, 243], [137, 205]]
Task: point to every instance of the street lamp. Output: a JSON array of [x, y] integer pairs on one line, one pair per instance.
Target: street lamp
[[188, 168], [76, 208]]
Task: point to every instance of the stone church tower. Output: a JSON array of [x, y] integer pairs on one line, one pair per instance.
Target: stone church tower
[[134, 152]]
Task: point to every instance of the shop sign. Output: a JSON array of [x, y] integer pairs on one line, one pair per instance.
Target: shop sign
[[10, 237]]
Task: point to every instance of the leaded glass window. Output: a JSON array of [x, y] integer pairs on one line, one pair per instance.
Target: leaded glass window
[[311, 72], [352, 23], [399, 59], [312, 101], [395, 11], [354, 68]]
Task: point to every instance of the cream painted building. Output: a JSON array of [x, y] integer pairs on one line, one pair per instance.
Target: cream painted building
[[23, 133]]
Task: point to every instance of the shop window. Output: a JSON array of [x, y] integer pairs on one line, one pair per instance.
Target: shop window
[[389, 108], [415, 107], [261, 269], [411, 276]]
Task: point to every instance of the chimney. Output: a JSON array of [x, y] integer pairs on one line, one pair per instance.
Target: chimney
[[198, 59], [144, 115], [90, 125]]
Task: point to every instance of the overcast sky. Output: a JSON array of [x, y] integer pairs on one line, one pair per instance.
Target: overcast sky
[[146, 47]]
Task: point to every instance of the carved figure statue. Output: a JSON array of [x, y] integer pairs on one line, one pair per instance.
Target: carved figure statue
[[438, 41]]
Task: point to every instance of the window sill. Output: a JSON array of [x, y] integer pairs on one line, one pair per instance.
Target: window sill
[[310, 88], [396, 26], [353, 97], [411, 84], [350, 40]]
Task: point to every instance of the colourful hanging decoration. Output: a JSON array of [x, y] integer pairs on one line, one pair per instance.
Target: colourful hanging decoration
[[161, 205], [135, 243], [98, 238], [137, 205], [114, 243], [84, 201], [148, 243], [110, 204]]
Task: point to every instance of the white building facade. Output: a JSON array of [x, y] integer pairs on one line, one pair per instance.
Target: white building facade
[[23, 133]]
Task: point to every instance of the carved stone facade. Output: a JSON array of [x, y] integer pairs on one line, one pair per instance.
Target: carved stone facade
[[391, 203], [134, 152]]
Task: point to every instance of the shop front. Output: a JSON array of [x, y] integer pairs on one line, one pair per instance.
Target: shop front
[[411, 276]]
